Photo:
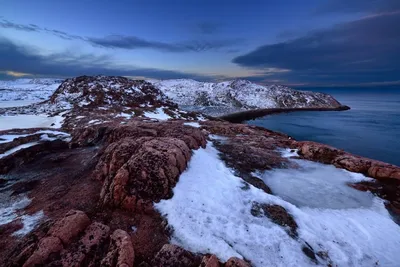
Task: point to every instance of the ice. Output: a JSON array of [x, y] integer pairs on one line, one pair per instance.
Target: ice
[[5, 138], [158, 114], [15, 149], [193, 124], [8, 212], [30, 121], [17, 103], [210, 213], [317, 185], [29, 222]]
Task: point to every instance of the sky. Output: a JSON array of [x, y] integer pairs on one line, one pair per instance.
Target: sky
[[291, 42]]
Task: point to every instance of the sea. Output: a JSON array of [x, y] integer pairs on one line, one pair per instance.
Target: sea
[[371, 128]]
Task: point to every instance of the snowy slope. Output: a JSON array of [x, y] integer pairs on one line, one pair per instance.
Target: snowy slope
[[241, 94], [28, 89]]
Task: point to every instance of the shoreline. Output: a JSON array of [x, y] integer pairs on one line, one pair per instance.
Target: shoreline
[[239, 117]]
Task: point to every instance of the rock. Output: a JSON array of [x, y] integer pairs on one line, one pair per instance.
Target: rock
[[277, 214], [330, 155], [236, 262], [174, 256], [257, 182], [210, 261], [121, 253], [95, 234], [70, 226], [46, 247], [23, 187]]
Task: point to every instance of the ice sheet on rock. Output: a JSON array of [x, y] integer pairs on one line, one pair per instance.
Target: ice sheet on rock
[[30, 121], [29, 223], [210, 213], [17, 148], [193, 124], [158, 114], [6, 138], [8, 210], [317, 185]]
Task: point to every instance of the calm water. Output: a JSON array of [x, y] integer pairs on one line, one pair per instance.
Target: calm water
[[371, 128]]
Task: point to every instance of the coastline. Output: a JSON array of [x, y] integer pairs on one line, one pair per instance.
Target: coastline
[[242, 116]]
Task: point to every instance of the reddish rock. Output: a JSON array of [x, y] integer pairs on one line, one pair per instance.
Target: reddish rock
[[236, 262], [339, 158], [210, 261], [174, 256], [46, 247], [277, 214], [92, 239], [121, 253], [70, 226]]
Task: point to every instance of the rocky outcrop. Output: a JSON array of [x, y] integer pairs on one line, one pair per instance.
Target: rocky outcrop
[[76, 241], [174, 256], [341, 159], [140, 164]]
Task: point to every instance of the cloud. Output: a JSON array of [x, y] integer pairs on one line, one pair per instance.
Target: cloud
[[20, 59], [133, 42], [361, 51]]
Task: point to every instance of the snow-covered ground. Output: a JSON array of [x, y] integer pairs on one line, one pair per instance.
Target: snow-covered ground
[[34, 90], [210, 213], [240, 94]]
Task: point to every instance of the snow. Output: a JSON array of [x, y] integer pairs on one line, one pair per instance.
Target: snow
[[30, 90], [158, 114], [125, 115], [29, 222], [210, 213], [93, 121], [18, 103], [30, 121], [193, 124]]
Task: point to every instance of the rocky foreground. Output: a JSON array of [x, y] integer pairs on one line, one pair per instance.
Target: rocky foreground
[[90, 193]]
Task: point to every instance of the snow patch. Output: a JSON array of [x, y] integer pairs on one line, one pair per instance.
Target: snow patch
[[193, 124], [158, 114], [210, 213]]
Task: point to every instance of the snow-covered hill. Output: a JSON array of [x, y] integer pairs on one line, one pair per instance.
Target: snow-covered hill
[[28, 89], [241, 94]]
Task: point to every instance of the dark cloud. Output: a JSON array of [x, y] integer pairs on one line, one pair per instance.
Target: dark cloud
[[132, 42], [352, 6], [21, 27], [366, 50], [21, 59]]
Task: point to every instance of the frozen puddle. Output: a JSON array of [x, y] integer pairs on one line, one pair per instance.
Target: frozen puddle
[[317, 185], [210, 213], [30, 121]]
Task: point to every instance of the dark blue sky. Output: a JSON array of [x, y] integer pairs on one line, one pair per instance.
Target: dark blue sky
[[308, 42]]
